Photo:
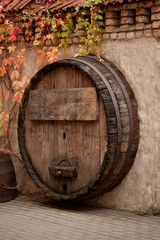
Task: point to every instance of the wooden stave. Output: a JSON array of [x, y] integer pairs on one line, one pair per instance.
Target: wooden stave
[[101, 183], [7, 179]]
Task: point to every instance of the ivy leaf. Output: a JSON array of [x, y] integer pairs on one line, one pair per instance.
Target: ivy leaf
[[11, 48], [6, 62], [17, 84], [25, 79], [14, 74], [18, 96]]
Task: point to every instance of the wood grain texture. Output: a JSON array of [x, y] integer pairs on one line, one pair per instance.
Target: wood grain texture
[[77, 141], [64, 104], [102, 152]]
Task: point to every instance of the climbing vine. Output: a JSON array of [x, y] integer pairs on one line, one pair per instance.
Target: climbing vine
[[49, 34]]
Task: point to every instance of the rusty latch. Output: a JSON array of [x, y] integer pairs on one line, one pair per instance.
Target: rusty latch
[[63, 171]]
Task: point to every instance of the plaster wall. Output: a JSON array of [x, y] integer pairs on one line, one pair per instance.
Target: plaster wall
[[139, 61]]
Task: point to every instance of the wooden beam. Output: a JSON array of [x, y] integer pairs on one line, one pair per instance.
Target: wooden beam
[[64, 104]]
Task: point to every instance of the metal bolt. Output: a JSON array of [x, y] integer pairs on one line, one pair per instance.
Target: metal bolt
[[59, 172]]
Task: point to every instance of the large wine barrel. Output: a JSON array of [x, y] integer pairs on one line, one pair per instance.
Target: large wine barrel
[[7, 179], [78, 128]]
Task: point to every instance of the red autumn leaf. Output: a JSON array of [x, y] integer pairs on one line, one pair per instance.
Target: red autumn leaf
[[2, 71], [12, 38], [6, 62], [18, 96], [15, 31], [5, 116], [27, 199], [5, 128]]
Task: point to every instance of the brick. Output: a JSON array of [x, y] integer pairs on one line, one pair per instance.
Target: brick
[[127, 20], [114, 8], [130, 35], [48, 42], [111, 22], [142, 19], [130, 6], [139, 26], [124, 28], [105, 36], [138, 34], [127, 13], [156, 33], [142, 11], [155, 17], [79, 33], [55, 41], [112, 15], [122, 35], [157, 2], [148, 32], [155, 9], [156, 24], [113, 35], [132, 28], [109, 29], [146, 4], [75, 40], [80, 26], [148, 26]]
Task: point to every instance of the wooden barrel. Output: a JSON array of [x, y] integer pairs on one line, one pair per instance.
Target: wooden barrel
[[7, 179], [78, 128]]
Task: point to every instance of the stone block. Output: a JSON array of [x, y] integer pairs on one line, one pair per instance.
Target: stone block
[[127, 20], [142, 19]]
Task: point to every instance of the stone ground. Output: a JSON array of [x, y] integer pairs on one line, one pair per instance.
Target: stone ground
[[27, 220]]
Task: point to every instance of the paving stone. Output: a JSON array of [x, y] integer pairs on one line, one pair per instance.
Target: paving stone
[[34, 221]]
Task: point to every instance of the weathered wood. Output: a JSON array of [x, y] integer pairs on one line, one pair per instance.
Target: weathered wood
[[7, 179], [63, 172], [63, 104], [101, 151]]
